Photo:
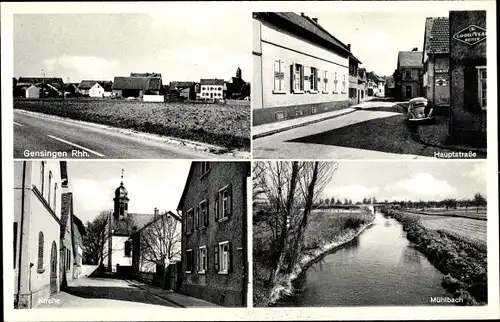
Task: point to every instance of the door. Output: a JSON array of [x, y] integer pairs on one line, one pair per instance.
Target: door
[[408, 91], [53, 268]]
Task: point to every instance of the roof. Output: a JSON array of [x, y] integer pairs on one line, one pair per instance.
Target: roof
[[181, 84], [410, 59], [87, 84], [55, 81], [66, 211], [294, 22], [437, 35], [132, 223], [186, 186], [211, 81], [145, 75], [80, 225], [175, 216], [143, 83], [374, 77], [355, 59], [361, 72]]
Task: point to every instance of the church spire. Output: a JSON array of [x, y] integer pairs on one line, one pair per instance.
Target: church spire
[[121, 182], [238, 72]]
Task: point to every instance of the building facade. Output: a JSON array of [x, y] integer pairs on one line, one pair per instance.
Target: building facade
[[214, 211], [299, 68], [78, 232], [409, 74], [211, 89], [436, 63], [468, 77], [356, 85], [137, 86], [37, 218], [66, 255]]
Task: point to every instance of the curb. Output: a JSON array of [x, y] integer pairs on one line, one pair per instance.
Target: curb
[[450, 147], [286, 128], [156, 295], [198, 146]]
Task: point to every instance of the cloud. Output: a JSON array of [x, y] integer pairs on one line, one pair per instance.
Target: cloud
[[478, 173], [355, 192], [423, 186], [81, 67]]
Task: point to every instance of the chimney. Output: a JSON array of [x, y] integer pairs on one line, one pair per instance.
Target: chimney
[[349, 47], [156, 212], [302, 14], [315, 20]]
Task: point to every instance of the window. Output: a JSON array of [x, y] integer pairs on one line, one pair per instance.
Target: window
[[203, 214], [279, 76], [40, 253], [68, 259], [335, 83], [298, 78], [42, 176], [482, 86], [189, 221], [49, 186], [205, 167], [222, 257], [325, 81], [408, 74], [54, 201], [202, 259], [211, 88], [189, 261], [128, 248], [224, 203], [314, 79]]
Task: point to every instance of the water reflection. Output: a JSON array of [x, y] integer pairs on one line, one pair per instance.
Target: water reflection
[[379, 267]]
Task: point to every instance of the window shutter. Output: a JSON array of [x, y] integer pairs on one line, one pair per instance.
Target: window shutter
[[276, 78], [307, 78], [216, 206], [40, 250], [230, 200], [282, 80], [197, 217], [318, 77], [292, 79], [216, 258], [184, 222], [206, 258], [193, 261], [230, 257], [207, 214]]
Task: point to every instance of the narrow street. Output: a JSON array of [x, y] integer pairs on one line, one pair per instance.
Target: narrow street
[[377, 129], [104, 292]]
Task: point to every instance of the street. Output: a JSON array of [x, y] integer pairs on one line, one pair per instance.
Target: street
[[104, 292], [34, 133], [377, 129]]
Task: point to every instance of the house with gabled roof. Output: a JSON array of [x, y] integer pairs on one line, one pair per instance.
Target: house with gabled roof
[[409, 74], [95, 88], [300, 68], [436, 63], [137, 86], [212, 89]]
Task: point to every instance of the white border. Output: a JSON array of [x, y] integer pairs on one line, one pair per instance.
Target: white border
[[389, 313]]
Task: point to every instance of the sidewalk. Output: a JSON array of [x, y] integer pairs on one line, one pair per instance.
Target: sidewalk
[[176, 298], [259, 131]]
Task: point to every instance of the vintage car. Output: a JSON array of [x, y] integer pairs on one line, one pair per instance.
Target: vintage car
[[420, 111]]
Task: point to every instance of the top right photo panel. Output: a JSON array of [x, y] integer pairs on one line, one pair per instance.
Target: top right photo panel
[[369, 85]]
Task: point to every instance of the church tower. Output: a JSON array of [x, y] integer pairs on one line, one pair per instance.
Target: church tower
[[238, 72], [121, 202]]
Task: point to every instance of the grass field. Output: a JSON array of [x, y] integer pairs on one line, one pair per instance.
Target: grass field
[[463, 227], [222, 125], [471, 212]]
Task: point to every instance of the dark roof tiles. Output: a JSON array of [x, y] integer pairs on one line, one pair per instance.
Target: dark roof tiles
[[437, 35], [138, 83]]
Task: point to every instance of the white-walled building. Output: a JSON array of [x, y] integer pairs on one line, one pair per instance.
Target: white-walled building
[[211, 89], [37, 219], [97, 89], [299, 68]]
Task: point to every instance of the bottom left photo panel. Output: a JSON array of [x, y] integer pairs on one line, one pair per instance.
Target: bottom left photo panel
[[131, 234]]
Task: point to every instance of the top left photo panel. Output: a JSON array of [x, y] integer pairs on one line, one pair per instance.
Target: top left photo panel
[[160, 85]]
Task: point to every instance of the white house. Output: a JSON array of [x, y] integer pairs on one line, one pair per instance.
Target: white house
[[96, 91], [32, 91], [211, 89], [94, 88], [300, 69]]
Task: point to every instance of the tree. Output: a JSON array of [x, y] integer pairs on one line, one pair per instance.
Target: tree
[[96, 239], [160, 244], [350, 202], [374, 200], [291, 188], [327, 201], [479, 201], [338, 202], [332, 201]]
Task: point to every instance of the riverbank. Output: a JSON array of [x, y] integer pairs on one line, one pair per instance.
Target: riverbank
[[463, 259], [326, 232]]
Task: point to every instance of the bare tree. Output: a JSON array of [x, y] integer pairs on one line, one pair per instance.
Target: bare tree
[[160, 243], [96, 239]]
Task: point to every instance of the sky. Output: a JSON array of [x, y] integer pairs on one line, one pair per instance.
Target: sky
[[150, 184], [407, 180], [377, 37], [183, 45]]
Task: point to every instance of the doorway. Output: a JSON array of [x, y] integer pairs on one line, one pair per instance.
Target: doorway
[[408, 92], [53, 268]]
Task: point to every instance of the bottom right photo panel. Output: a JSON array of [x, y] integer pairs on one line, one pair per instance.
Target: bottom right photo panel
[[356, 233]]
